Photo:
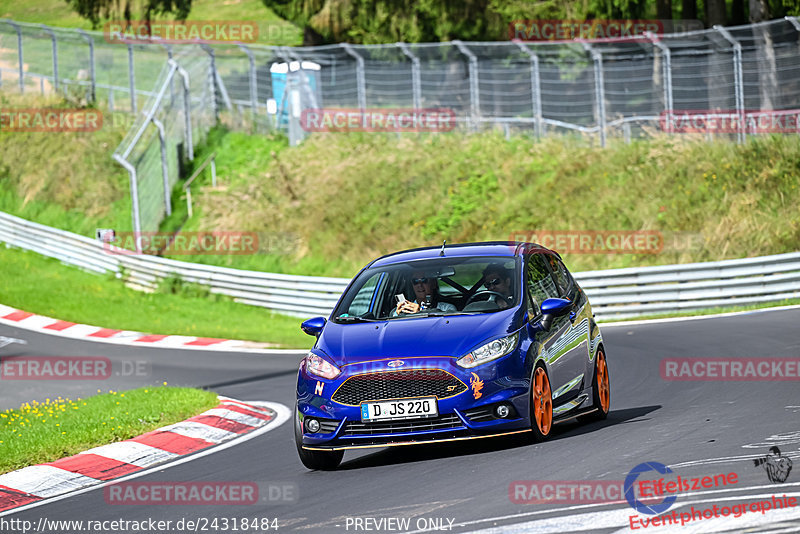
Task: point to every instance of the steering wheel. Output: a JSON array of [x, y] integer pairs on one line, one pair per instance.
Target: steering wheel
[[483, 294]]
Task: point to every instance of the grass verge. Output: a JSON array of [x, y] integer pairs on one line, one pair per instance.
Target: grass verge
[[344, 199], [64, 179], [43, 285], [38, 433]]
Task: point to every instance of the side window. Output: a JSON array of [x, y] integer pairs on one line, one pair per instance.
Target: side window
[[363, 300], [539, 283], [560, 274]]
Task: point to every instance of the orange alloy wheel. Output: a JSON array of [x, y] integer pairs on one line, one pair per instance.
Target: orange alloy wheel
[[542, 401], [603, 385]]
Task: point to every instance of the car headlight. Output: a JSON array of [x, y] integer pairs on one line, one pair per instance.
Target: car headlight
[[490, 351], [315, 365]]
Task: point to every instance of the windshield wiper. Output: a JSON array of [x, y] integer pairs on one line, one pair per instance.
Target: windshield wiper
[[444, 314], [356, 319]]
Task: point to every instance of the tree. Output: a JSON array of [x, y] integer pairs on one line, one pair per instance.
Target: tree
[[386, 21], [715, 12], [664, 9], [689, 10], [97, 10]]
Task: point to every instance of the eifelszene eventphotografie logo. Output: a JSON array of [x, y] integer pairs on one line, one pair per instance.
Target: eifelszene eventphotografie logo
[[630, 495]]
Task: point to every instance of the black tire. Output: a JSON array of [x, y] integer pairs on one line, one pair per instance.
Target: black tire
[[541, 394], [601, 409], [316, 460]]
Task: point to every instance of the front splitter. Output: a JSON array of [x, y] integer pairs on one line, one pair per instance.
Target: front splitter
[[405, 443]]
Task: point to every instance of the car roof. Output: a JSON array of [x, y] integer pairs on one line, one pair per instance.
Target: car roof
[[489, 248]]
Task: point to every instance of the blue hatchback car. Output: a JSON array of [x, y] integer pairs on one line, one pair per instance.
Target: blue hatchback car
[[450, 343]]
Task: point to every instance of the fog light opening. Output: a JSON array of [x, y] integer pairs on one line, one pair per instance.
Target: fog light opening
[[502, 411], [312, 425]]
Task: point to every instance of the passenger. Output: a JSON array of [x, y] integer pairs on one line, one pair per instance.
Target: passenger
[[498, 279], [425, 287]]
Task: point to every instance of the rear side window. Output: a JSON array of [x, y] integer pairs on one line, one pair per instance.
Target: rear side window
[[539, 283], [560, 274]]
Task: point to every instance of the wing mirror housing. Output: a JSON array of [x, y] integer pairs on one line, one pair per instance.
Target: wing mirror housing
[[552, 308], [313, 326]]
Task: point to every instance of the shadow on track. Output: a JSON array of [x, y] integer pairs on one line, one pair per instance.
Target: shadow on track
[[434, 451], [249, 379]]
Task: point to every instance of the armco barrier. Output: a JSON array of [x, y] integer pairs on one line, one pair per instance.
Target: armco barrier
[[615, 293]]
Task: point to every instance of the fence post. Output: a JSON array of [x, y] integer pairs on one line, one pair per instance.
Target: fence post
[[213, 75], [19, 53], [416, 84], [162, 138], [668, 104], [55, 54], [168, 48], [253, 83], [306, 83], [132, 80], [361, 85], [536, 88], [137, 225], [737, 79], [187, 109], [92, 75], [599, 90], [474, 95]]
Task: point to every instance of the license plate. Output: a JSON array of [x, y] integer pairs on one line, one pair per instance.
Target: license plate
[[399, 409]]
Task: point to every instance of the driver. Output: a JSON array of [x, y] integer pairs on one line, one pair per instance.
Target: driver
[[498, 279], [424, 287]]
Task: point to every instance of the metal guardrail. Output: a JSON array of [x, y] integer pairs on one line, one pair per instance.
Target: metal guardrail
[[615, 293]]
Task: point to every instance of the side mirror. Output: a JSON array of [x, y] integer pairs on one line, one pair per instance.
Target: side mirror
[[552, 308], [313, 326]]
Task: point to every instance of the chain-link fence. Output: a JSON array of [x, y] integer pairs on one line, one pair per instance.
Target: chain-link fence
[[624, 87]]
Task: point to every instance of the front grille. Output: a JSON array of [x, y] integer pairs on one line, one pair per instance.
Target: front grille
[[398, 385], [443, 422]]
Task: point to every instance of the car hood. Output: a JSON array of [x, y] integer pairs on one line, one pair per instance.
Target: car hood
[[413, 337]]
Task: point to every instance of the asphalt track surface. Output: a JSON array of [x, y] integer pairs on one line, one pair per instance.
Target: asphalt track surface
[[697, 428]]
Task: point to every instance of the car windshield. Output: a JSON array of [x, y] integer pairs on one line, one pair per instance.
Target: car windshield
[[421, 288]]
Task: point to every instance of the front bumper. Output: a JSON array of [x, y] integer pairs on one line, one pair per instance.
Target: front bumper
[[469, 413]]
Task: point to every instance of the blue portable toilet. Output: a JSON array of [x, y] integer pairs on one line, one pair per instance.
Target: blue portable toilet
[[300, 73]]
